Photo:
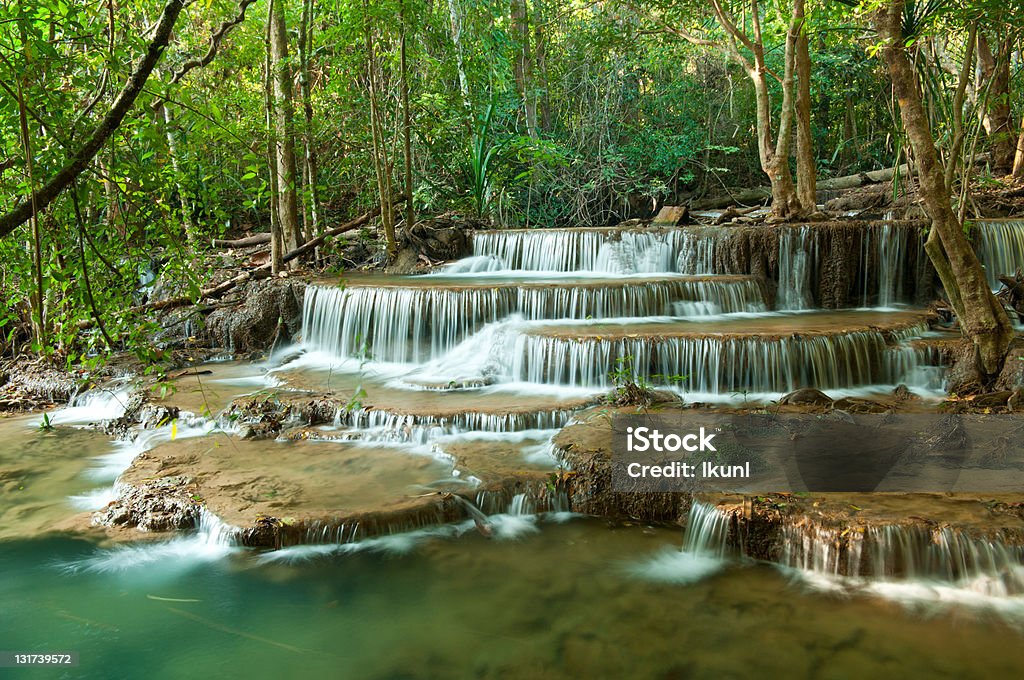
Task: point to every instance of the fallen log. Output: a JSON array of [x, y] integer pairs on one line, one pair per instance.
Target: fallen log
[[861, 178], [254, 240]]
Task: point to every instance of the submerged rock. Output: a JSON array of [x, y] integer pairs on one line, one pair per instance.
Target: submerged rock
[[807, 396]]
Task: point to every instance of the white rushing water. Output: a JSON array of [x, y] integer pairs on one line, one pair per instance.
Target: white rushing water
[[1000, 246], [704, 552], [915, 566], [92, 407]]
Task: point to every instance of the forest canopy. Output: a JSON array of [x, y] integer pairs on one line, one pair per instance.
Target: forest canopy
[[134, 133]]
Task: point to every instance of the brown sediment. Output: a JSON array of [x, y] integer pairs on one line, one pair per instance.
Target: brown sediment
[[809, 324], [283, 493], [492, 281]]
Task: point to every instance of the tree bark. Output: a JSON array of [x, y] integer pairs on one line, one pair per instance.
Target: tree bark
[[382, 167], [982, 317], [522, 65], [310, 166], [455, 17], [806, 168], [410, 209], [540, 52], [284, 123], [774, 157], [277, 248], [1018, 159], [998, 119], [174, 151]]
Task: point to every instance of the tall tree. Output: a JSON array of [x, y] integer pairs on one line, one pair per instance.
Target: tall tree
[[806, 169], [284, 130], [310, 169], [998, 115], [982, 318], [774, 155], [410, 210], [381, 164], [522, 64]]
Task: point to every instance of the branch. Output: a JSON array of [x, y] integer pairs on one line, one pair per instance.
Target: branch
[[45, 195], [675, 30], [215, 40]]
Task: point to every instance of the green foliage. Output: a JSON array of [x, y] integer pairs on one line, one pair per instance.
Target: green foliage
[[628, 117]]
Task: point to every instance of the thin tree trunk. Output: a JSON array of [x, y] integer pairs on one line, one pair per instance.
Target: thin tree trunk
[[410, 211], [806, 168], [38, 296], [174, 151], [774, 157], [1018, 159], [277, 240], [310, 169], [381, 166], [522, 64], [982, 317], [998, 120], [958, 109], [455, 17], [540, 52], [284, 123]]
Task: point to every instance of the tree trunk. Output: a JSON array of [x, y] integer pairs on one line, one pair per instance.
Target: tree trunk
[[284, 125], [1018, 159], [540, 70], [806, 168], [522, 65], [410, 210], [982, 317], [277, 248], [774, 157], [998, 118], [455, 18], [174, 151], [310, 166], [381, 165]]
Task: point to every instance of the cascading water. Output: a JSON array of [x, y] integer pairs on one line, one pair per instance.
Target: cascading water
[[707, 530], [704, 552], [796, 259], [415, 324], [907, 554], [886, 257], [1000, 247], [710, 364]]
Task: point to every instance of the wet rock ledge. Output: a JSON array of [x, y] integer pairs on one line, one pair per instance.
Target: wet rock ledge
[[841, 529]]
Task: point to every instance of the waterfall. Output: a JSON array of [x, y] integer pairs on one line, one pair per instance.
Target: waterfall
[[707, 530], [603, 250], [897, 553], [704, 552], [710, 364], [983, 564], [213, 531], [823, 550], [414, 324], [93, 406], [1000, 246], [796, 256], [698, 246], [379, 425]]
